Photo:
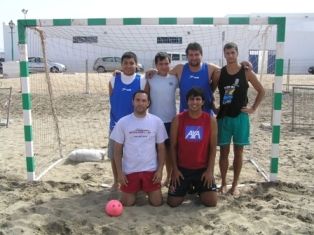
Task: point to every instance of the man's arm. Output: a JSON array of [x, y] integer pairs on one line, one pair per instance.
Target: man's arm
[[161, 155], [177, 71], [176, 174], [251, 77], [110, 88], [214, 71], [208, 175], [117, 155]]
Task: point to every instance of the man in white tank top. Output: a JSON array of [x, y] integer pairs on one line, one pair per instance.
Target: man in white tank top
[[162, 87]]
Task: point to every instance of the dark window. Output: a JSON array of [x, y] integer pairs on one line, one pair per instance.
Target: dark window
[[169, 40], [85, 39]]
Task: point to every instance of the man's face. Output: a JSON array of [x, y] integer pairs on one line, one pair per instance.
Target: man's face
[[231, 55], [128, 66], [195, 103], [163, 66], [194, 58], [140, 103]]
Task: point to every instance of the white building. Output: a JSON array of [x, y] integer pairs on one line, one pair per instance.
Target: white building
[[72, 46]]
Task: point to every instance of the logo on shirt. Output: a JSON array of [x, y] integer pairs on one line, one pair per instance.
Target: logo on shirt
[[126, 89], [229, 90], [194, 77], [194, 133]]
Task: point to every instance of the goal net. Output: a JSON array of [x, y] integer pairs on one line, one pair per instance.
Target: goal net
[[69, 90]]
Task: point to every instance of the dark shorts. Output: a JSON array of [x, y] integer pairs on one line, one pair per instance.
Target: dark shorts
[[191, 182], [168, 127], [140, 181]]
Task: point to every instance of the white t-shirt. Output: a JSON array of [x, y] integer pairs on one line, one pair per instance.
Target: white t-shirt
[[139, 137], [163, 96], [128, 79]]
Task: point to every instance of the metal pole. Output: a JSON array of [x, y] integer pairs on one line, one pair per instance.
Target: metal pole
[[87, 91], [288, 76], [12, 50]]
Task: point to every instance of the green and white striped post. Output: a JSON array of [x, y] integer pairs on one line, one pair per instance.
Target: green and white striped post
[[26, 95], [277, 96], [26, 98]]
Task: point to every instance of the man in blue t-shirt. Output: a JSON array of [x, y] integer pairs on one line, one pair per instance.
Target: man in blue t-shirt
[[122, 86]]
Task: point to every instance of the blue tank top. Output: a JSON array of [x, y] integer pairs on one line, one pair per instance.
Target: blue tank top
[[198, 79], [121, 98]]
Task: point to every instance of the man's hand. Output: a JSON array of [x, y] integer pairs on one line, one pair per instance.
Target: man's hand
[[157, 177], [122, 179], [248, 110], [150, 73], [247, 65], [175, 177], [114, 73], [208, 178]]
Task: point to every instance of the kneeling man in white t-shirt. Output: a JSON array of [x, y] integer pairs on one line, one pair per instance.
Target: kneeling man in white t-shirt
[[139, 162]]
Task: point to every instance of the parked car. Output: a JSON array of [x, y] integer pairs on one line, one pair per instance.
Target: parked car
[[110, 63], [1, 66], [37, 64], [311, 70]]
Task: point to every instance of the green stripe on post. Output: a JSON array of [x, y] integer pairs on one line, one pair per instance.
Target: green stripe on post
[[281, 27], [30, 164], [167, 21], [279, 67], [239, 20], [203, 20], [27, 101], [277, 101], [97, 21], [274, 165], [132, 21], [276, 135], [28, 133], [24, 69], [62, 22], [21, 28]]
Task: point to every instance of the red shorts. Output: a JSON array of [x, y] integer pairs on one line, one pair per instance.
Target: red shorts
[[140, 181]]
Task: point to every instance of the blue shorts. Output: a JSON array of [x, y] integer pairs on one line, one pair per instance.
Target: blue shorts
[[235, 128], [192, 179], [168, 127]]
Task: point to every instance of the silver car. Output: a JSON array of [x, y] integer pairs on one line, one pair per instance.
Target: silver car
[[110, 63], [37, 64]]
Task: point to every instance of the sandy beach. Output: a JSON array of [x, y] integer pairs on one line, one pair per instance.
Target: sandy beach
[[70, 198]]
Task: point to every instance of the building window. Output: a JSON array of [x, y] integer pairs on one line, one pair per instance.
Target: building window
[[169, 40], [85, 39]]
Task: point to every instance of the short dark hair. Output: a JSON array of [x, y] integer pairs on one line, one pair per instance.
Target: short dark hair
[[129, 55], [195, 91], [161, 56], [141, 92], [231, 45], [194, 46]]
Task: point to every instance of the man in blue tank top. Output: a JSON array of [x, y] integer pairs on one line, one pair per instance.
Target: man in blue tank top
[[195, 73], [122, 86]]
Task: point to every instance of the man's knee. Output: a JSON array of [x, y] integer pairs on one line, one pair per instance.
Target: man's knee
[[174, 201]]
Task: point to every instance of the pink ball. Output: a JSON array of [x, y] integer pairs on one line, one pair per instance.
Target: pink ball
[[114, 208]]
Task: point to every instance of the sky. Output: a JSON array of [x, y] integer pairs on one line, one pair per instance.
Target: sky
[[53, 9]]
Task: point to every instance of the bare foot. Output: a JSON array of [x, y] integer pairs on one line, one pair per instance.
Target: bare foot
[[234, 191], [223, 189]]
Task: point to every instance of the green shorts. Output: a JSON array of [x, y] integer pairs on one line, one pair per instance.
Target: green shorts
[[237, 128]]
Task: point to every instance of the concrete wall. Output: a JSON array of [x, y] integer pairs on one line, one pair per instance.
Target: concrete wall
[[113, 41]]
